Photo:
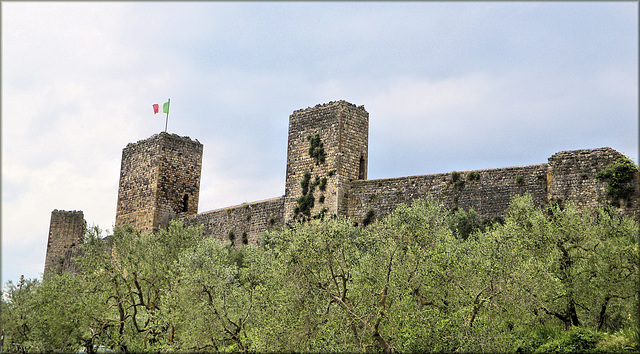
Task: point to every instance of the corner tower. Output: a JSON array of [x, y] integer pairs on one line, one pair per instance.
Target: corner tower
[[327, 148], [66, 230], [159, 179]]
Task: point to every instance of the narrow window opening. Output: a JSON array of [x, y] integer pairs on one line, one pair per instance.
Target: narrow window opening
[[185, 203], [363, 168]]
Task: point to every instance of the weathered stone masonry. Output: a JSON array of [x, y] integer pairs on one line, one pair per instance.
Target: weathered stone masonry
[[487, 191], [65, 233], [159, 179], [327, 158]]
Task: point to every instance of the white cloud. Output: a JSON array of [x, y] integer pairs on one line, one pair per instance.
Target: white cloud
[[448, 86]]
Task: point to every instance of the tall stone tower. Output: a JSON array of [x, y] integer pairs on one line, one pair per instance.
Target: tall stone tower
[[65, 232], [159, 179], [328, 148]]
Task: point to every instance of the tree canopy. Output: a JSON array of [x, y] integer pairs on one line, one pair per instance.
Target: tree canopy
[[422, 279]]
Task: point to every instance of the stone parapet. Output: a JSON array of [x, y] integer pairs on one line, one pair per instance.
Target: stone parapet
[[487, 191], [242, 223]]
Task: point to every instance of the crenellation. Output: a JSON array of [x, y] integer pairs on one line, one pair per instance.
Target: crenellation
[[326, 175]]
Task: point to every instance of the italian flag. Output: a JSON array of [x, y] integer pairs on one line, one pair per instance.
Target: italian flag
[[165, 108]]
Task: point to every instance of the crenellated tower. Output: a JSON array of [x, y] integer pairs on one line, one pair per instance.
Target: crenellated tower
[[327, 148], [159, 179]]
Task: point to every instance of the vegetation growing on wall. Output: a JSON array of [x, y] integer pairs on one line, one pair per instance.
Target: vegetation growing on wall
[[306, 201], [456, 179], [369, 218], [618, 177], [316, 148], [473, 176], [543, 281]]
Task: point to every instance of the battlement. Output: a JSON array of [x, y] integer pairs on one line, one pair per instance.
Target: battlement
[[327, 105], [326, 175], [327, 148]]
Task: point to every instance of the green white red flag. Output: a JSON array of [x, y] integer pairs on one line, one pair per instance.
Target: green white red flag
[[165, 108]]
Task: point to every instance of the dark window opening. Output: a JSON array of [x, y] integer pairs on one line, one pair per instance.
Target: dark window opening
[[363, 168], [185, 203]]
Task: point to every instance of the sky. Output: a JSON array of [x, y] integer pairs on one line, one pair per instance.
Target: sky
[[448, 86]]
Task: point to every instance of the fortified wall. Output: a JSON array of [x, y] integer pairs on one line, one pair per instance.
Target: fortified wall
[[327, 159]]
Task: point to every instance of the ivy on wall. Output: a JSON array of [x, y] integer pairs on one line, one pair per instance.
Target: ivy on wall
[[316, 148], [618, 177], [307, 200]]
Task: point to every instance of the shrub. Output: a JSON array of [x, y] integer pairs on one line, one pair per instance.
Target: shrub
[[456, 180], [618, 176], [316, 148], [473, 176], [575, 340], [369, 218]]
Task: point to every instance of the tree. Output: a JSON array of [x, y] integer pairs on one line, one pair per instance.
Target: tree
[[133, 272], [18, 315], [214, 296]]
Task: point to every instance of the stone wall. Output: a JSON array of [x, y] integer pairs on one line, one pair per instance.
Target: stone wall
[[572, 177], [327, 157], [66, 231], [178, 189], [243, 223], [487, 191], [341, 133], [157, 176]]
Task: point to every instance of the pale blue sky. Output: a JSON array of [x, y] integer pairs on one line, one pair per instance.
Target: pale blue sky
[[448, 86]]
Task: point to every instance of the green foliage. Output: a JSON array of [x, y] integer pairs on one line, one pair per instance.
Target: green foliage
[[575, 340], [464, 223], [520, 180], [456, 179], [543, 280], [215, 301], [323, 184], [369, 218], [316, 149], [307, 200], [304, 184], [473, 176], [619, 175]]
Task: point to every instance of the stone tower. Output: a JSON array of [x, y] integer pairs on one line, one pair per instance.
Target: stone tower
[[159, 179], [65, 232], [571, 176], [327, 148]]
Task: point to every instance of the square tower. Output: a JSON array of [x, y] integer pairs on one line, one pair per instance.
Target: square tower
[[159, 179], [66, 231], [327, 148]]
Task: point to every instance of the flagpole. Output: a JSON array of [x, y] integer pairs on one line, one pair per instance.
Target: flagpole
[[166, 122]]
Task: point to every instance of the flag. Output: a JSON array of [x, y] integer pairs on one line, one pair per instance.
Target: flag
[[165, 108]]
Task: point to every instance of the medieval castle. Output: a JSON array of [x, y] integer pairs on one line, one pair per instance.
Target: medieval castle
[[326, 175]]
